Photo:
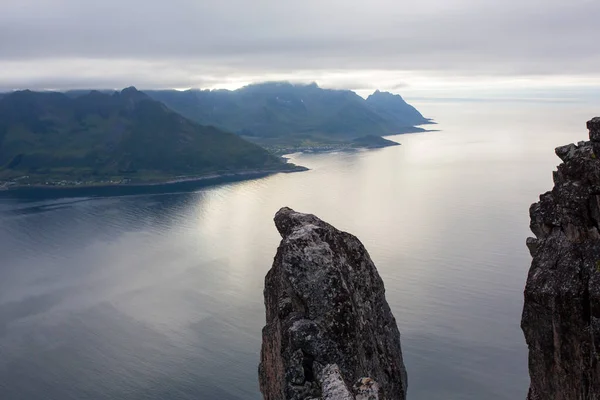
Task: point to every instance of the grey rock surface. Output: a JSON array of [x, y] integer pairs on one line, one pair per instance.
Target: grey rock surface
[[330, 333], [561, 313]]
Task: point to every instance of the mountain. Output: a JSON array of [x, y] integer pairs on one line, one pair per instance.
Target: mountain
[[125, 135], [394, 108], [284, 113]]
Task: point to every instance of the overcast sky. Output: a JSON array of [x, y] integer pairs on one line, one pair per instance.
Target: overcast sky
[[415, 46]]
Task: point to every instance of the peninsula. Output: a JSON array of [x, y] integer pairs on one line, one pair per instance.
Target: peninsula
[[125, 138]]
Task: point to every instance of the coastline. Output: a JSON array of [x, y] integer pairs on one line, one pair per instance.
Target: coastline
[[324, 150], [347, 147], [189, 183], [332, 148], [186, 183]]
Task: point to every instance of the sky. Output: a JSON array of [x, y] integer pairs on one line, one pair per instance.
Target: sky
[[437, 48]]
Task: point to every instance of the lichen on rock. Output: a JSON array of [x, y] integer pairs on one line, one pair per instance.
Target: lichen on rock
[[330, 333]]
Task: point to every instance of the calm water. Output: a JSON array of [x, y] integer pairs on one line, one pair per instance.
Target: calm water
[[160, 296]]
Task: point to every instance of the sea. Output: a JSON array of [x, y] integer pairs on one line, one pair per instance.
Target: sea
[[160, 295]]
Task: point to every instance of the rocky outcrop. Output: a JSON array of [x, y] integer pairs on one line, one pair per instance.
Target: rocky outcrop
[[330, 333], [561, 314]]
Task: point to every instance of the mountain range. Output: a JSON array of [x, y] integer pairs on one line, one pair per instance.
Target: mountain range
[[91, 137], [285, 114], [100, 137]]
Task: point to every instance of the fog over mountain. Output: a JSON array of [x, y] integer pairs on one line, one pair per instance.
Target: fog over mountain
[[400, 46]]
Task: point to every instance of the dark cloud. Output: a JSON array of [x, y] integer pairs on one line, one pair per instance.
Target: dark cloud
[[183, 43]]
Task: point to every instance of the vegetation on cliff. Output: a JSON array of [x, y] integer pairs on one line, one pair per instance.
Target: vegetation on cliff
[[124, 136], [281, 114]]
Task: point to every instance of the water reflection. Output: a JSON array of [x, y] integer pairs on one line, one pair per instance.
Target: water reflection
[[160, 295]]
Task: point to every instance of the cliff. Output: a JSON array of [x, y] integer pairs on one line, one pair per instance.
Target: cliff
[[330, 333], [561, 314]]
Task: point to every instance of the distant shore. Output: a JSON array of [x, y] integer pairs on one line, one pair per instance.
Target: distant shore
[[174, 184], [355, 144]]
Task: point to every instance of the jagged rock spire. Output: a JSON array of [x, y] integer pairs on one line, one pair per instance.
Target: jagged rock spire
[[561, 313], [330, 333]]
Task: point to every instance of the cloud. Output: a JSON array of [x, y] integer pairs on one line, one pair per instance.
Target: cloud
[[183, 43]]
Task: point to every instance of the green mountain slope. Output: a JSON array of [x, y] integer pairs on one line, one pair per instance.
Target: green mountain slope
[[283, 110], [125, 135], [393, 108]]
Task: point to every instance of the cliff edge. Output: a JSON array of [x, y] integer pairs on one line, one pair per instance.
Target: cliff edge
[[330, 333], [561, 314]]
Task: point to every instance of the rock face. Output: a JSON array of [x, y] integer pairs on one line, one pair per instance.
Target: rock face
[[330, 333], [561, 315]]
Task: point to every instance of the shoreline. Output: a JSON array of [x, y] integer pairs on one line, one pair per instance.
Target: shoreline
[[166, 186], [281, 149], [347, 147], [334, 150]]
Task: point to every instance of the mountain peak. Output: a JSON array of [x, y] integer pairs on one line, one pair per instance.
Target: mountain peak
[[21, 94], [384, 94], [131, 93], [393, 106], [130, 89]]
